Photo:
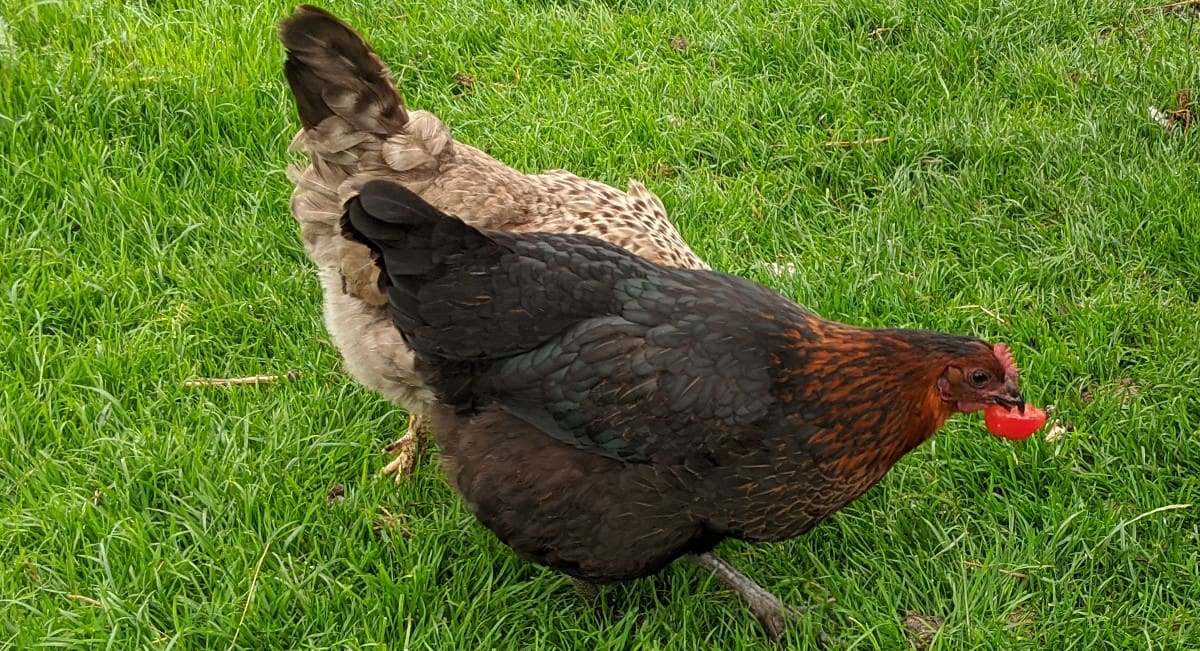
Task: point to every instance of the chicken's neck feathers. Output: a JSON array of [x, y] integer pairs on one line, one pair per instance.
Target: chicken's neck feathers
[[865, 397]]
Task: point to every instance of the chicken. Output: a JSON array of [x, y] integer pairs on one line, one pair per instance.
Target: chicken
[[604, 415], [356, 128]]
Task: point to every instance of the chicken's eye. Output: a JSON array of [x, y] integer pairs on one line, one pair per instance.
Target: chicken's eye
[[980, 377]]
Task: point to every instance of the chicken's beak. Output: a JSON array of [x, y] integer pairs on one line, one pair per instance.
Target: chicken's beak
[[1011, 396]]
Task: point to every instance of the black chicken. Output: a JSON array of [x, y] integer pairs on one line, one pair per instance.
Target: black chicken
[[604, 415]]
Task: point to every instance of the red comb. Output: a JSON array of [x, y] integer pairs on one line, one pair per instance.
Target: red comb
[[1004, 355]]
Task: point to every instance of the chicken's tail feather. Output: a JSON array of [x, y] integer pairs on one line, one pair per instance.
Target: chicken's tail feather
[[332, 71], [459, 293], [413, 241]]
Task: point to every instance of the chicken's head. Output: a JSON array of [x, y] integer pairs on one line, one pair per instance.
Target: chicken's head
[[974, 382]]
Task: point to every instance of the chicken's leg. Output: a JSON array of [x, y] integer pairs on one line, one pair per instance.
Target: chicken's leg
[[769, 610], [407, 449], [587, 592]]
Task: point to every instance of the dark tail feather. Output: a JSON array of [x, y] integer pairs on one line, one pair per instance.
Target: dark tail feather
[[461, 294], [414, 243], [332, 71]]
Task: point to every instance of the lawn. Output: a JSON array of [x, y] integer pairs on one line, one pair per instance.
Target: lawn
[[975, 167]]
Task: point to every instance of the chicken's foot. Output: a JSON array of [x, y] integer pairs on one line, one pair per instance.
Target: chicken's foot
[[774, 615], [407, 449]]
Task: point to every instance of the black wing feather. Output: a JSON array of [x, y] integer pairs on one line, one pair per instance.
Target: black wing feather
[[649, 380]]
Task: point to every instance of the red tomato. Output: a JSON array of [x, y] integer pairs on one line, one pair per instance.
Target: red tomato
[[1012, 424]]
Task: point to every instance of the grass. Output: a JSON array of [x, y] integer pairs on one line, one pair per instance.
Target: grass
[[1022, 194]]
